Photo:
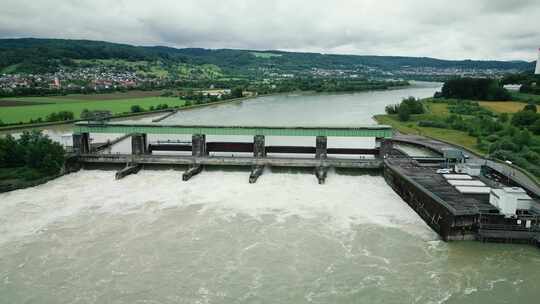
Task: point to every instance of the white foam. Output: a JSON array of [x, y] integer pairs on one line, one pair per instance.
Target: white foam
[[344, 200]]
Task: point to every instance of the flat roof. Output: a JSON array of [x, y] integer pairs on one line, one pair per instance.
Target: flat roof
[[473, 190], [457, 176], [470, 183], [437, 186]]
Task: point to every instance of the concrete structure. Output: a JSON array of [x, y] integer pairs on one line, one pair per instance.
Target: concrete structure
[[377, 131], [469, 183], [200, 149], [468, 168], [473, 190], [537, 71], [509, 200], [139, 144], [457, 176]]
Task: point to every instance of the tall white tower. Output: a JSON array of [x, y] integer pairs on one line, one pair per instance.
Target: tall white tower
[[537, 71]]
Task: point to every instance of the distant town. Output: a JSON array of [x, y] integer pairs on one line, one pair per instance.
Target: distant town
[[102, 78]]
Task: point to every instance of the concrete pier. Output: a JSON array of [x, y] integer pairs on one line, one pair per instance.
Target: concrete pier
[[128, 170], [256, 172], [321, 173], [81, 143], [139, 145], [385, 147], [192, 171], [199, 145], [321, 147], [259, 149]]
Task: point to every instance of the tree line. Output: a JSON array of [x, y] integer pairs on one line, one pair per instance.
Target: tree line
[[33, 151], [474, 89]]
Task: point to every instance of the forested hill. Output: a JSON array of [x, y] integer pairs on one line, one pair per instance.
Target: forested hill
[[45, 55]]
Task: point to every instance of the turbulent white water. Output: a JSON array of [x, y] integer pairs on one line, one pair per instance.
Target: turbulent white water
[[343, 202], [151, 238]]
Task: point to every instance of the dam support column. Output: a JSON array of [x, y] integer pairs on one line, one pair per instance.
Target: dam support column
[[385, 147], [198, 145], [259, 151], [128, 170], [81, 143], [139, 144], [321, 154], [321, 147], [198, 149]]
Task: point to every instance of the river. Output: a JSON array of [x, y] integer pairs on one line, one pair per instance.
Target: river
[[151, 238]]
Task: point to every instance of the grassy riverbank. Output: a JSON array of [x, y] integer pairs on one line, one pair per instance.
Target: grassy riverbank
[[24, 109], [411, 127], [486, 128]]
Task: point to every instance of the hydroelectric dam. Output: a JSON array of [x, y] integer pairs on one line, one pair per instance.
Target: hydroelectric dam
[[457, 207], [261, 154]]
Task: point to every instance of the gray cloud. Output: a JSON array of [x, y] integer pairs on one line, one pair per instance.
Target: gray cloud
[[480, 29]]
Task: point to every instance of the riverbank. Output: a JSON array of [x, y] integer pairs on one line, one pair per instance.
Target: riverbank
[[121, 116], [18, 183], [13, 127], [467, 130]]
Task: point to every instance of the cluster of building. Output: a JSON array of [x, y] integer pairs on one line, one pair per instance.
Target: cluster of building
[[91, 78], [463, 72], [402, 72], [512, 202]]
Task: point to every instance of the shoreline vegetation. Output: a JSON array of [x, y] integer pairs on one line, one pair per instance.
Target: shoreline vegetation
[[70, 108], [29, 160], [501, 130]]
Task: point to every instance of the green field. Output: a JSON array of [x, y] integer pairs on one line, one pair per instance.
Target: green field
[[411, 127], [265, 55], [46, 105]]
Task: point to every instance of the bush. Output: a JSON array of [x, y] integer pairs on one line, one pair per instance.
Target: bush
[[525, 118], [535, 127], [404, 113], [433, 124], [492, 138], [60, 116], [414, 105], [391, 109], [136, 109], [530, 107]]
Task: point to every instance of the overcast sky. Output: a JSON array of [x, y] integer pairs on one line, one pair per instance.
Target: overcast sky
[[451, 29]]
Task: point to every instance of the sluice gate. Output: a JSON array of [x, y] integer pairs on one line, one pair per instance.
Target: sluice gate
[[200, 152]]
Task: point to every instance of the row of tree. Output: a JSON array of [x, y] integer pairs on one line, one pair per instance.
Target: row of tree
[[32, 150], [503, 137], [406, 108], [474, 89]]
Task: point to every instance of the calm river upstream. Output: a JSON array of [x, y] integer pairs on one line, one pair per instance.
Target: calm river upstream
[[151, 238]]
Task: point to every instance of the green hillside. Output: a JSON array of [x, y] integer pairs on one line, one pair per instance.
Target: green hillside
[[46, 55]]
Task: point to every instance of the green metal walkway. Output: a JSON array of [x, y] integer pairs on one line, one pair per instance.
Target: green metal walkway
[[378, 131]]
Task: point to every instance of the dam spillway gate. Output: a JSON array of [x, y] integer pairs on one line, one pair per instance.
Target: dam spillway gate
[[260, 154]]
